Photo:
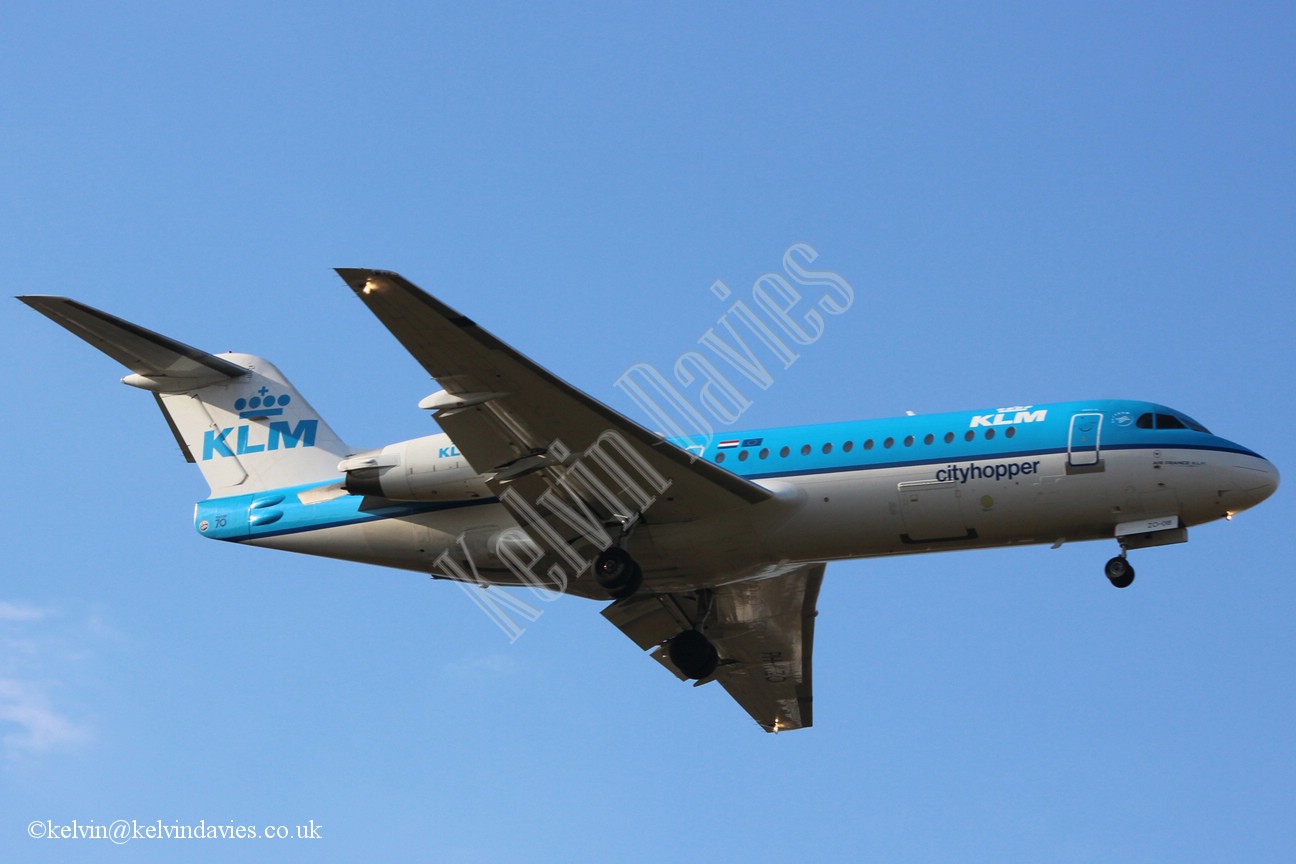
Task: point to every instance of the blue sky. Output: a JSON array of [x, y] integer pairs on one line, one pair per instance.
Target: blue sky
[[1033, 203]]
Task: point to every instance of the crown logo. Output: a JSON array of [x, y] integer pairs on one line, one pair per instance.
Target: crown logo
[[264, 404]]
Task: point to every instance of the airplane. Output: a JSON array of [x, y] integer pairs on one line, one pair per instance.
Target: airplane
[[712, 549]]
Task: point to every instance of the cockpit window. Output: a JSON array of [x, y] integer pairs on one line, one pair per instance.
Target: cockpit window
[[1169, 421]]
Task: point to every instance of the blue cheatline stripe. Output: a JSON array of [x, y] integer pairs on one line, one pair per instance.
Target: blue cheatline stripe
[[956, 459], [230, 518], [402, 511], [347, 510], [1026, 430], [1034, 431]]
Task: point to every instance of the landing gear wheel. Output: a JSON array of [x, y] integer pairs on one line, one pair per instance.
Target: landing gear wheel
[[617, 573], [693, 654], [1119, 572]]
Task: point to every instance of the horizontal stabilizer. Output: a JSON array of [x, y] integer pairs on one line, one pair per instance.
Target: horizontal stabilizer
[[160, 364]]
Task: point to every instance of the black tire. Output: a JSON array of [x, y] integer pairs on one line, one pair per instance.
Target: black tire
[[693, 654], [1119, 572], [617, 573]]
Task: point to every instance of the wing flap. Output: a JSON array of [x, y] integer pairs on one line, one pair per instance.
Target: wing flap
[[763, 629], [767, 627]]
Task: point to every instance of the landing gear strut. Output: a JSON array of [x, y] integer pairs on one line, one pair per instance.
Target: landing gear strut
[[617, 573], [1119, 571]]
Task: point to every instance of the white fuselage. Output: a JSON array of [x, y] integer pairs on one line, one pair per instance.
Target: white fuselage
[[1142, 494]]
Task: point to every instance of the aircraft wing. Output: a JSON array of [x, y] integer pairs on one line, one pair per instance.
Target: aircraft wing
[[763, 629], [519, 425], [504, 412]]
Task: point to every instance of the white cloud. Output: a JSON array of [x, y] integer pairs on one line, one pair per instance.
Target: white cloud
[[33, 660], [40, 727], [21, 612]]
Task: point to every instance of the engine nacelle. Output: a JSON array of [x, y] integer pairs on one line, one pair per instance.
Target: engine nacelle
[[421, 469]]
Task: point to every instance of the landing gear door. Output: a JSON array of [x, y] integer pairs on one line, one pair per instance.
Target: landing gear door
[[930, 509], [1083, 442]]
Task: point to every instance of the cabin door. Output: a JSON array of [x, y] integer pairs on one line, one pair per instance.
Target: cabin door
[[1083, 442]]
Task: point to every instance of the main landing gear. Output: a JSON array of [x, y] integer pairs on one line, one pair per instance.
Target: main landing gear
[[614, 570], [1119, 571], [690, 651], [693, 654], [617, 573]]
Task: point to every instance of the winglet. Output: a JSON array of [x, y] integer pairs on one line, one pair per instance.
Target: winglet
[[160, 364]]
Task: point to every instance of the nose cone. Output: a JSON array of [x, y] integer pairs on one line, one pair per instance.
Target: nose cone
[[1254, 480]]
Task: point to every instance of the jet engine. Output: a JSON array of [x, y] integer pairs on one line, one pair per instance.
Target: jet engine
[[421, 469]]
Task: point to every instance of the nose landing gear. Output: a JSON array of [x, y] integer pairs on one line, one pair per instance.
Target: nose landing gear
[[1119, 571]]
